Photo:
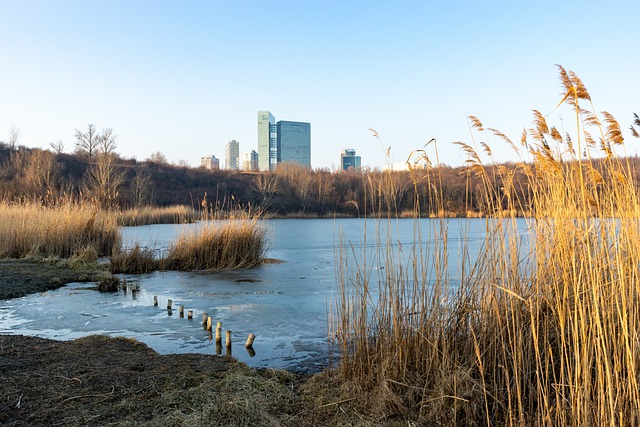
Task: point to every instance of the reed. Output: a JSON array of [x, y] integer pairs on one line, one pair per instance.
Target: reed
[[62, 231], [541, 330], [158, 215], [136, 260], [219, 245]]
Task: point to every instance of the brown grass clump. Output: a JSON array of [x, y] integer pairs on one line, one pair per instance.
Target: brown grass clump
[[154, 215], [136, 260], [542, 328], [61, 231], [219, 245]]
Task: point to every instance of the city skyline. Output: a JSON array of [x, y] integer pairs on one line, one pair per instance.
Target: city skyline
[[185, 78]]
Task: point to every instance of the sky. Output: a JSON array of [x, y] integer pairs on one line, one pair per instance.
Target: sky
[[185, 77]]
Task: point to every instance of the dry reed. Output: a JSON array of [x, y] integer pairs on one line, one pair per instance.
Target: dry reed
[[219, 245], [155, 215], [543, 328], [62, 231]]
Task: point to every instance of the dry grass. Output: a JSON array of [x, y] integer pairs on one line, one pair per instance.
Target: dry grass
[[541, 330], [154, 215], [62, 231], [237, 242], [136, 260]]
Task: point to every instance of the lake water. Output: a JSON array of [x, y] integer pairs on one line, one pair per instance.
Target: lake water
[[284, 304]]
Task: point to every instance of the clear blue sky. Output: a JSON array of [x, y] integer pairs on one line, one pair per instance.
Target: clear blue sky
[[185, 77]]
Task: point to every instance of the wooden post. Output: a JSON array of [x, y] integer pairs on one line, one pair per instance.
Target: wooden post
[[219, 349], [250, 341], [181, 311], [219, 332], [228, 338], [169, 303], [190, 314], [205, 316], [209, 322], [155, 300], [251, 351]]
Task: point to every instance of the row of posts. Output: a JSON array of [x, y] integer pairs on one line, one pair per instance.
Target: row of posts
[[207, 323]]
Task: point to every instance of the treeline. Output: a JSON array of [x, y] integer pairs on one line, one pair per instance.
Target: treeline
[[110, 181]]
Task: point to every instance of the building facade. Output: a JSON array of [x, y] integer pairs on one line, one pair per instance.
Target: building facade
[[232, 155], [284, 141], [210, 162], [348, 159], [267, 141], [250, 161]]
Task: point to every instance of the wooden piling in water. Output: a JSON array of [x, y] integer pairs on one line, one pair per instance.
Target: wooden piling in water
[[169, 303], [209, 323], [181, 311], [155, 300], [205, 316], [250, 340], [219, 332], [228, 338], [190, 314]]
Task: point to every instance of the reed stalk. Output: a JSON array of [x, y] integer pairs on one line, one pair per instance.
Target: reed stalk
[[542, 329]]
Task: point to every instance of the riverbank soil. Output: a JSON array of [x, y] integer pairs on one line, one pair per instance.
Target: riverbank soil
[[19, 277]]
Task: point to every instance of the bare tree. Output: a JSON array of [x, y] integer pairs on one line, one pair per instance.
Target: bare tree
[[87, 142], [40, 173], [103, 180], [106, 141], [141, 188], [158, 158], [267, 186], [58, 147], [14, 133]]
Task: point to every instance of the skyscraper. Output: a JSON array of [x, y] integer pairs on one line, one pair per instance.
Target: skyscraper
[[348, 159], [267, 141], [232, 155], [294, 143], [283, 141]]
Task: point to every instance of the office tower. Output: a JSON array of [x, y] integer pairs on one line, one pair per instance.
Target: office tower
[[210, 162], [283, 141], [232, 155], [267, 141], [348, 159], [294, 143], [250, 161]]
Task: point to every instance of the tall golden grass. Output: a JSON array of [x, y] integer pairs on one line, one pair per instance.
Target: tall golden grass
[[62, 231], [158, 215], [219, 245], [541, 330]]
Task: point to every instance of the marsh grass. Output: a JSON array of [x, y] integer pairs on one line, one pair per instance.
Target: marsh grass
[[237, 242], [62, 231], [158, 215], [540, 330]]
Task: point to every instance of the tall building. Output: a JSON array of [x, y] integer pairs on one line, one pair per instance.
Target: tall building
[[348, 159], [283, 141], [250, 161], [210, 162], [267, 141], [232, 155], [294, 142]]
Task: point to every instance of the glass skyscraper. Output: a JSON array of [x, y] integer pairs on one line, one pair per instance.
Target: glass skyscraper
[[265, 140], [283, 141]]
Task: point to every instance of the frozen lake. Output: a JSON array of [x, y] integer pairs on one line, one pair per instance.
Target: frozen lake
[[284, 304]]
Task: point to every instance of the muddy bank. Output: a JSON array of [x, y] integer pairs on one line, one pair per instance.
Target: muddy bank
[[19, 277]]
